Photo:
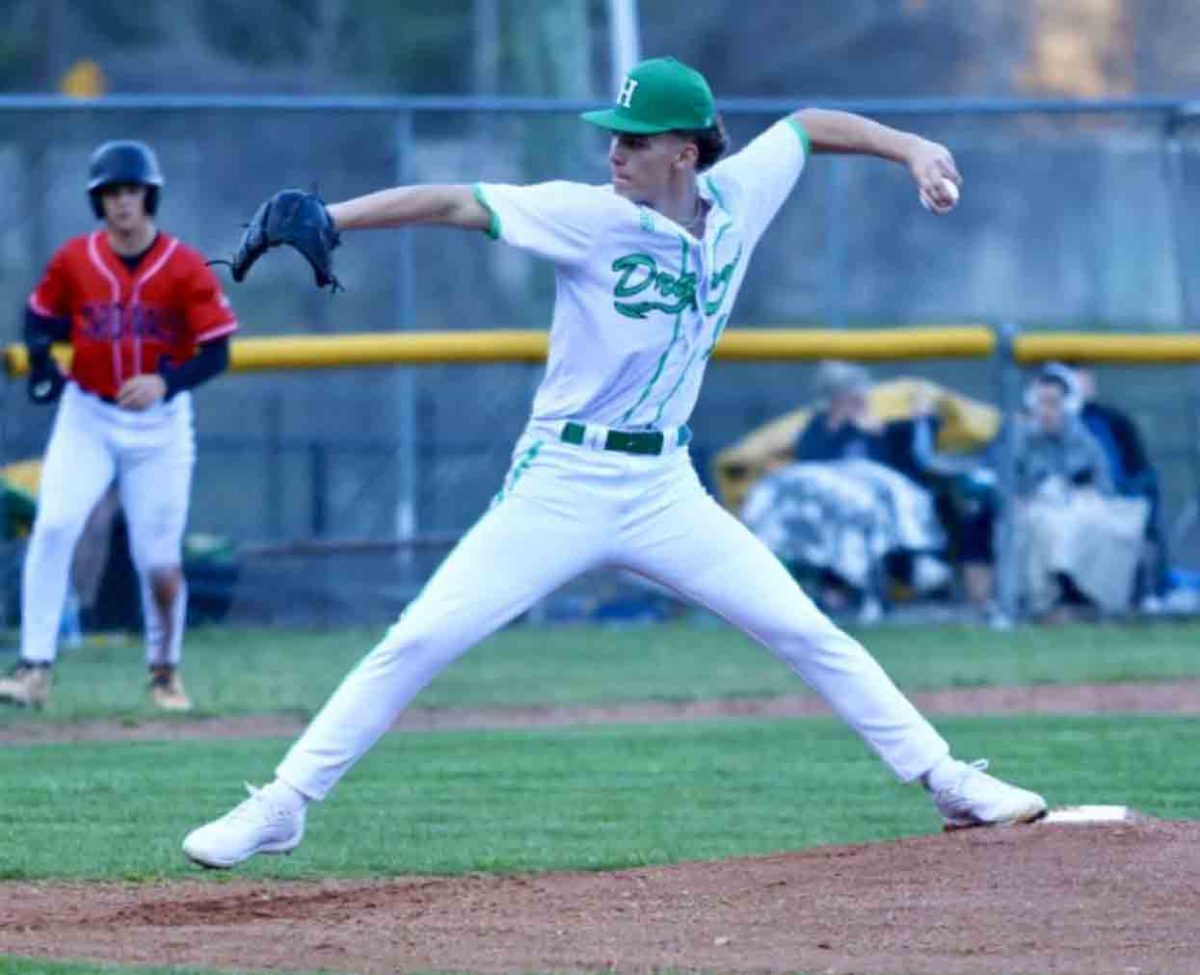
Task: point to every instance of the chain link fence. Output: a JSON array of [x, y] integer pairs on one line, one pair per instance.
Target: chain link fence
[[343, 488]]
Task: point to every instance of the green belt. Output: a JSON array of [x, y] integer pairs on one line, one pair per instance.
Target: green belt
[[640, 442]]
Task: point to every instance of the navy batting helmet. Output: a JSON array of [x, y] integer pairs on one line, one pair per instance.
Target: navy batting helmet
[[124, 161]]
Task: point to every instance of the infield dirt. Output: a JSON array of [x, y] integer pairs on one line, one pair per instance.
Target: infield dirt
[[1173, 697], [1035, 899]]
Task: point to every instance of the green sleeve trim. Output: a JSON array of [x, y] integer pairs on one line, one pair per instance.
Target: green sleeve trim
[[493, 229], [802, 134]]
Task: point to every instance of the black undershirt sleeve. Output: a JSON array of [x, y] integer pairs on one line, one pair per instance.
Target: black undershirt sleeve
[[210, 359], [41, 331]]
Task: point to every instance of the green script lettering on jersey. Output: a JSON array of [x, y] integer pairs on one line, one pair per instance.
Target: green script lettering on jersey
[[640, 273]]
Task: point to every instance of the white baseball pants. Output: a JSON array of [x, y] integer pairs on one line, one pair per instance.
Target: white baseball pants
[[566, 509], [151, 455]]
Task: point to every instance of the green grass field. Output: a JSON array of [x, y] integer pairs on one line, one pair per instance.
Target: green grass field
[[568, 798], [246, 671], [554, 799]]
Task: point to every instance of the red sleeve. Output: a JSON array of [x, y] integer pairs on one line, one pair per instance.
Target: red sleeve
[[207, 311], [52, 296]]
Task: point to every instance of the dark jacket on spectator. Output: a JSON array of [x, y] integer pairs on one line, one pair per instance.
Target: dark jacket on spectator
[[903, 445], [1122, 445]]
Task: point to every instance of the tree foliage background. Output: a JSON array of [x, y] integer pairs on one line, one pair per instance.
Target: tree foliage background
[[548, 47]]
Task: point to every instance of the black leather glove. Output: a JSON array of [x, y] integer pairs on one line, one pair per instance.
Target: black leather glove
[[300, 221]]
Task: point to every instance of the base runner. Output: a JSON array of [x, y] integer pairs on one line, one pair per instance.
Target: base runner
[[147, 321], [647, 272]]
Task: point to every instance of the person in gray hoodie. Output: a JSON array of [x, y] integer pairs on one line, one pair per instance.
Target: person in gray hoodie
[[1053, 443], [1074, 533]]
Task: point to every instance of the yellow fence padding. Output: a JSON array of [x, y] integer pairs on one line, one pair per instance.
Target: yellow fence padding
[[529, 345], [1125, 349], [966, 425], [739, 345], [858, 344], [364, 349], [25, 475], [20, 482]]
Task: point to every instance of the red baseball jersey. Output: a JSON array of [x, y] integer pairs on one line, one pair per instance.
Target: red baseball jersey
[[124, 324]]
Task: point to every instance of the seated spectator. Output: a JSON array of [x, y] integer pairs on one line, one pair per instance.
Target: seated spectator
[[1077, 539], [851, 512], [843, 429], [1132, 476]]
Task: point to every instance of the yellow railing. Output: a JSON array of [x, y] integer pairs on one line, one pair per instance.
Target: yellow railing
[[746, 344], [941, 342], [1131, 349]]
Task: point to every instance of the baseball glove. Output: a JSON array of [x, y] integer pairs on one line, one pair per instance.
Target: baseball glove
[[297, 219]]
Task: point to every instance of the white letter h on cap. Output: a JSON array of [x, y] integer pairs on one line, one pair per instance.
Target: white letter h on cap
[[625, 98]]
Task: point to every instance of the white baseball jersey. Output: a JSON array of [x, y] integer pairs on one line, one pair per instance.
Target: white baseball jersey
[[640, 302]]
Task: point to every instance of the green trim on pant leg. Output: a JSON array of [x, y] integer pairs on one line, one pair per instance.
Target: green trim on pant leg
[[518, 471]]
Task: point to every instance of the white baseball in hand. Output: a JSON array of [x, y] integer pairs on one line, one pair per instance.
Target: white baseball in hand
[[949, 191]]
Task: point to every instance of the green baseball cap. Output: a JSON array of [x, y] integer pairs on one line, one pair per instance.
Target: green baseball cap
[[659, 95]]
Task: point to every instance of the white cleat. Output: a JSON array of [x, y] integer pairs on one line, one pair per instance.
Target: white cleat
[[978, 799], [256, 825]]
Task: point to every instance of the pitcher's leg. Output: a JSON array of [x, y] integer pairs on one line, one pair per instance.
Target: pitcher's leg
[[77, 471], [705, 554], [515, 555]]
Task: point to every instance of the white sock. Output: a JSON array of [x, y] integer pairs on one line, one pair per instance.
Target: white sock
[[284, 796], [945, 773]]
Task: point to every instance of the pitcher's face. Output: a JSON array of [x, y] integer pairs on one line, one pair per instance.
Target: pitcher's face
[[642, 165]]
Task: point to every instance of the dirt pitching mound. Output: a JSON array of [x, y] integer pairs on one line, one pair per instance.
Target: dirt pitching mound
[[1074, 900]]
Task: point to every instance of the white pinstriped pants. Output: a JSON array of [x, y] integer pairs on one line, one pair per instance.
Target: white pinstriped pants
[[566, 509]]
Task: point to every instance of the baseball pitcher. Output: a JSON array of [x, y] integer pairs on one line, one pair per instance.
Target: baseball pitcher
[[147, 322], [648, 268]]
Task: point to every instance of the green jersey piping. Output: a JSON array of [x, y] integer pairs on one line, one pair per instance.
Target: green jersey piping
[[662, 360], [721, 233], [717, 333], [716, 193], [710, 308], [675, 389], [688, 366]]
